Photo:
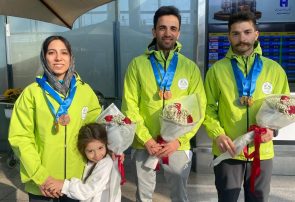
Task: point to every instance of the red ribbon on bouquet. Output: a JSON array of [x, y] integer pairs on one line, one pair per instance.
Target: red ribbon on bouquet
[[255, 171], [165, 159], [121, 169]]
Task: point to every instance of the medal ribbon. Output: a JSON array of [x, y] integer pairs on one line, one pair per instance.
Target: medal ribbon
[[255, 171], [64, 104], [121, 169], [164, 78], [246, 86]]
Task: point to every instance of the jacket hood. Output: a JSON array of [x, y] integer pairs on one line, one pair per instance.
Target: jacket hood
[[257, 50]]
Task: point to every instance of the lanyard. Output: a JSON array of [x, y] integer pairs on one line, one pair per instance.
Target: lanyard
[[246, 86], [164, 79], [64, 104]]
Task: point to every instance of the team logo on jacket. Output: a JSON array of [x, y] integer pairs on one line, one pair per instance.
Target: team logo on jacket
[[267, 88], [84, 112], [183, 84]]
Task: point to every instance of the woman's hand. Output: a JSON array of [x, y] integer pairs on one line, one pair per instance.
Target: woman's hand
[[52, 187]]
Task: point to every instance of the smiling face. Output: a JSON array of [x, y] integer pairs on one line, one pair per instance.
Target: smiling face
[[242, 37], [95, 151], [166, 32], [58, 58]]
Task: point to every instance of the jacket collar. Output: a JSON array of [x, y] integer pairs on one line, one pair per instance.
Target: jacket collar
[[257, 51], [152, 49]]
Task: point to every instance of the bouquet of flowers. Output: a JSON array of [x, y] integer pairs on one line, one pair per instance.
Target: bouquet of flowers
[[119, 128], [276, 112], [176, 120], [120, 131]]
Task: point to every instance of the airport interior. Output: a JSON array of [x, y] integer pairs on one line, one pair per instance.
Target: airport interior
[[105, 39]]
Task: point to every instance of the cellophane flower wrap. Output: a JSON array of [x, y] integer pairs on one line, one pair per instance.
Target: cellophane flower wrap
[[120, 129], [177, 118], [120, 132], [276, 112]]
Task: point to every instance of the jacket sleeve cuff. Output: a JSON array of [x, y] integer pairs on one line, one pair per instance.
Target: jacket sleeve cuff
[[182, 140], [144, 139], [40, 176], [215, 133], [65, 187]]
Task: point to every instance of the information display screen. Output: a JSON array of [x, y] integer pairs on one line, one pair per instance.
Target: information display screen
[[279, 46]]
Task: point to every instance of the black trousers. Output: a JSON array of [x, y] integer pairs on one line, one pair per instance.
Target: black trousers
[[38, 198], [230, 174]]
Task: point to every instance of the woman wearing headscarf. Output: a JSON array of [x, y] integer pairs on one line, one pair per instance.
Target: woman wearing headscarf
[[46, 120]]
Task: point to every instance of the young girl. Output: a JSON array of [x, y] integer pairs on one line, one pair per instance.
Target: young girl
[[95, 186]]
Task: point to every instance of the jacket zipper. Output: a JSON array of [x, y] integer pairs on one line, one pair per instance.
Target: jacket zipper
[[247, 107], [164, 86], [65, 162]]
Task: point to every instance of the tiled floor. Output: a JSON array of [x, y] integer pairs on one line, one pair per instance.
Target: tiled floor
[[200, 187]]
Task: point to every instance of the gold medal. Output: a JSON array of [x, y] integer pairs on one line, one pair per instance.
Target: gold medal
[[161, 94], [64, 119], [167, 95]]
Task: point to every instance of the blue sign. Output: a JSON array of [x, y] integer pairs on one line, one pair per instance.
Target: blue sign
[[283, 3]]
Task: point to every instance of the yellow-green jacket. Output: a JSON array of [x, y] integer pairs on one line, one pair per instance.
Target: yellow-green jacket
[[43, 153], [141, 101], [224, 115]]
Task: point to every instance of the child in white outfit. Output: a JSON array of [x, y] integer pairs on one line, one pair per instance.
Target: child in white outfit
[[95, 186]]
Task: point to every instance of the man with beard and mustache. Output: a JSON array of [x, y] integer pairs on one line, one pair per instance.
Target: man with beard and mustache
[[236, 87], [143, 100]]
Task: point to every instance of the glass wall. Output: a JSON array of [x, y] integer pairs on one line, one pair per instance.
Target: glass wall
[[91, 40], [3, 86], [3, 69], [136, 23], [104, 41]]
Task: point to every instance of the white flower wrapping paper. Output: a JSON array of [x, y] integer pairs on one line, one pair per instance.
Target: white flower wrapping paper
[[120, 137], [276, 112], [172, 129]]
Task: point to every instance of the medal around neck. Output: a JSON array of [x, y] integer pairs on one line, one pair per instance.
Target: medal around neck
[[246, 101], [55, 127], [164, 76], [64, 119], [246, 84], [166, 95]]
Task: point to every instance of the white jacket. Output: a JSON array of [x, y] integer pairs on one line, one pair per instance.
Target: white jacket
[[97, 186]]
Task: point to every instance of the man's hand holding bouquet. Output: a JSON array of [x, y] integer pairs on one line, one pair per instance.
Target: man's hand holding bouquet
[[177, 119], [120, 132], [277, 112]]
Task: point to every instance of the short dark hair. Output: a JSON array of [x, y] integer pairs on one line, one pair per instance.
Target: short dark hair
[[48, 40], [166, 10], [243, 16]]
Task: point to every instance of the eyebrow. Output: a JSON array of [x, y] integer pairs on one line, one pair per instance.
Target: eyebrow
[[56, 49]]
